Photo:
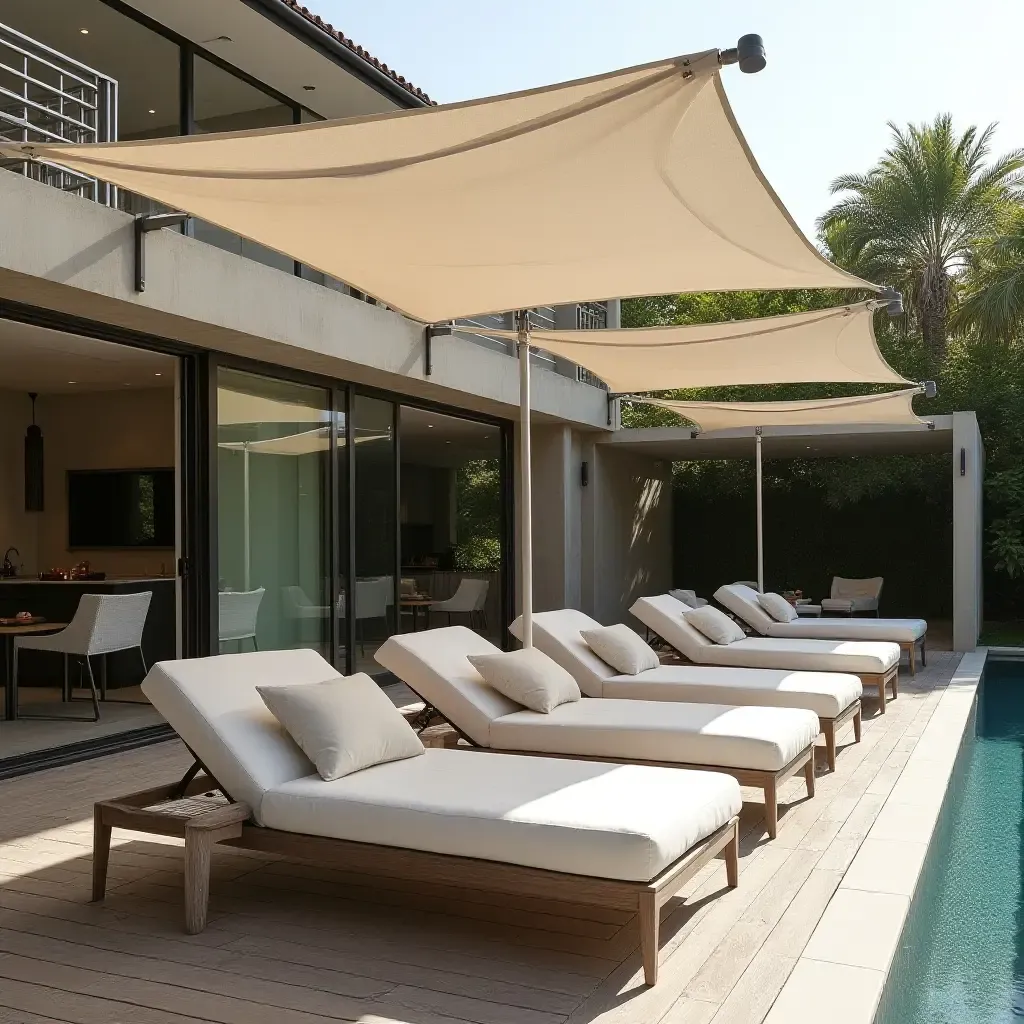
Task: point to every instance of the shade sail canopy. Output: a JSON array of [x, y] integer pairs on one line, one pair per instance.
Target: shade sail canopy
[[637, 182], [893, 408], [821, 346]]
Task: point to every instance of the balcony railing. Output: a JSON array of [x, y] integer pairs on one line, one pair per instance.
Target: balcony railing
[[48, 97]]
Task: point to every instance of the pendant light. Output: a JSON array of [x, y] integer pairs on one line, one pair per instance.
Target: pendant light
[[33, 463]]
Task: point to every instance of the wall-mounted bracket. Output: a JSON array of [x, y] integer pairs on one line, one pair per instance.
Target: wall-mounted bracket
[[145, 223], [433, 331]]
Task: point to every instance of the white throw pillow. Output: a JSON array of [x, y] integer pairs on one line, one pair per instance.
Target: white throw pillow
[[342, 725], [529, 677], [777, 607], [715, 625], [621, 648]]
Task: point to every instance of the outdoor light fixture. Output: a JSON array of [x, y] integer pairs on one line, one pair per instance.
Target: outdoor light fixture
[[84, 31], [749, 53], [33, 463], [930, 389], [584, 474]]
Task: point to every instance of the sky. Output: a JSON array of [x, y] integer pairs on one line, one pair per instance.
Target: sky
[[836, 73]]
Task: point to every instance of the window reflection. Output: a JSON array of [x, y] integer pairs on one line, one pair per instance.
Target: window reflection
[[273, 462]]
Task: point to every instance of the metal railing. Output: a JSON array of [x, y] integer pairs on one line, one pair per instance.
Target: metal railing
[[46, 96], [591, 316]]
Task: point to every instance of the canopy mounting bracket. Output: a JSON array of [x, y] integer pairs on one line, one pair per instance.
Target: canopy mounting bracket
[[144, 223], [433, 331]]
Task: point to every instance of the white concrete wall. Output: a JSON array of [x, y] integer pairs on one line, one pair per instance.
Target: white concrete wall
[[628, 536], [63, 253], [968, 527]]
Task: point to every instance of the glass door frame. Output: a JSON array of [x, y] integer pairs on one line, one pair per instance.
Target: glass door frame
[[342, 396]]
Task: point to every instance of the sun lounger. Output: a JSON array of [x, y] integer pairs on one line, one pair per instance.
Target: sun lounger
[[877, 663], [833, 696], [908, 633], [623, 836], [759, 746]]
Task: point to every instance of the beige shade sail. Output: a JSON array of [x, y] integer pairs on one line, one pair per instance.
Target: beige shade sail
[[821, 346], [637, 182], [893, 408]]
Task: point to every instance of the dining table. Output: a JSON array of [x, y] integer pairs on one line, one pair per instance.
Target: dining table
[[7, 635]]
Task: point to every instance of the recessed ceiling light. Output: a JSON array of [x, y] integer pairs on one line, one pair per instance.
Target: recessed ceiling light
[[84, 31], [72, 381], [157, 374], [430, 426], [309, 88], [152, 111], [447, 442]]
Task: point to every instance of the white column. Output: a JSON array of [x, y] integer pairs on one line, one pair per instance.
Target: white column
[[968, 474], [760, 518], [525, 486]]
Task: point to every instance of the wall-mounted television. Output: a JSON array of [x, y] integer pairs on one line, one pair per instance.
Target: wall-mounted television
[[121, 508]]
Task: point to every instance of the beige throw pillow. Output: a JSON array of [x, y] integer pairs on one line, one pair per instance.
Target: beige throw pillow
[[528, 677], [621, 648], [342, 725], [715, 625], [777, 607]]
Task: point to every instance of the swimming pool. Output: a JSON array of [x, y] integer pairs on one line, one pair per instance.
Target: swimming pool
[[961, 955]]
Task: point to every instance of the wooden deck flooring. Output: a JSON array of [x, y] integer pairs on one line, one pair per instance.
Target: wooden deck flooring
[[296, 944]]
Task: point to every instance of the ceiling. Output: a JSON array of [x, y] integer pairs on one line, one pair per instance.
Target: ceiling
[[675, 444], [45, 361], [428, 438]]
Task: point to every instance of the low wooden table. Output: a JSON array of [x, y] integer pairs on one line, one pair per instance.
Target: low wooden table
[[7, 635], [414, 604]]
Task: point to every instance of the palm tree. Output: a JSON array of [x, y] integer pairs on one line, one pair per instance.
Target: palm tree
[[913, 219], [993, 302]]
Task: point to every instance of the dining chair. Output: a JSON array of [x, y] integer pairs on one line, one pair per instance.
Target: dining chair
[[102, 624], [469, 599], [238, 611]]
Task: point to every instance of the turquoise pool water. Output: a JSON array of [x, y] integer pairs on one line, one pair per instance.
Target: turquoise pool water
[[961, 959]]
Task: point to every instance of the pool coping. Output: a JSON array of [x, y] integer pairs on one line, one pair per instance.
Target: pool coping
[[846, 961]]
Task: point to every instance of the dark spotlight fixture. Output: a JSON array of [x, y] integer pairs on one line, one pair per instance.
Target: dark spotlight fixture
[[33, 463]]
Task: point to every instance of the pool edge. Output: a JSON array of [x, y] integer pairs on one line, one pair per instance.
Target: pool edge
[[852, 948]]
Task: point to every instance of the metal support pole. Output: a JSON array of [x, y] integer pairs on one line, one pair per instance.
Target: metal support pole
[[525, 473], [246, 543], [760, 517]]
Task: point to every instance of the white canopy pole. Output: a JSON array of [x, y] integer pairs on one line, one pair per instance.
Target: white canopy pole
[[760, 517], [525, 473], [246, 543]]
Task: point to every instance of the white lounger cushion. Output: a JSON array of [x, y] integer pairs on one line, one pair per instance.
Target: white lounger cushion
[[580, 817], [434, 663], [743, 601], [759, 738], [212, 704], [859, 656], [827, 694]]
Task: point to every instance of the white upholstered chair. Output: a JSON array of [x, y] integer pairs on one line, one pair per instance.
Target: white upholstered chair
[[373, 598], [468, 599], [849, 597], [102, 624], [238, 611]]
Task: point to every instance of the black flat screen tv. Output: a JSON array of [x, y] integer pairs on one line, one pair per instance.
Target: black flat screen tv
[[121, 508]]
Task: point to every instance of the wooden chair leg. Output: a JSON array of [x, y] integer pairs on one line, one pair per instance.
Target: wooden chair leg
[[829, 730], [913, 659], [649, 928], [857, 723], [100, 854], [732, 858], [881, 695], [198, 845], [895, 685], [924, 657], [809, 774], [771, 808]]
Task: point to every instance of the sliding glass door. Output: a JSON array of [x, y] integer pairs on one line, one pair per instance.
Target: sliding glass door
[[273, 514]]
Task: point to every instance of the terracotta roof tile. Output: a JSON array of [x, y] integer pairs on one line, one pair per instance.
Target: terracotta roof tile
[[358, 50]]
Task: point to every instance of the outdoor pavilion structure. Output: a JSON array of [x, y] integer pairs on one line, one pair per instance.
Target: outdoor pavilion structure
[[658, 143]]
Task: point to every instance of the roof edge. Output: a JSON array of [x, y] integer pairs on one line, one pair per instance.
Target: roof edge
[[290, 13]]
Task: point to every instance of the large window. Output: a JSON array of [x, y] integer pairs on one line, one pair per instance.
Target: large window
[[273, 540], [451, 523]]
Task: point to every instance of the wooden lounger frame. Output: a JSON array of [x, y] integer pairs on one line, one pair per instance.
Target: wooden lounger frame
[[230, 825], [909, 647], [879, 681], [766, 780]]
